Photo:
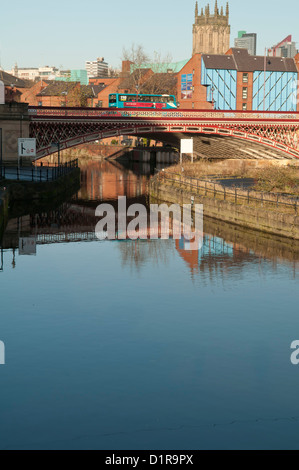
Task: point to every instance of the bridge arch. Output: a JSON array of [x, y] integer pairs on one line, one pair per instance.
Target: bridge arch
[[262, 134]]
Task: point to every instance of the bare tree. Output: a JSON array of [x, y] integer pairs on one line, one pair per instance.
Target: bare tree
[[138, 59], [113, 72], [162, 64], [149, 75]]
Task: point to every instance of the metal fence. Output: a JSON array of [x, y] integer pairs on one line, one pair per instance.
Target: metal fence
[[206, 187], [39, 172]]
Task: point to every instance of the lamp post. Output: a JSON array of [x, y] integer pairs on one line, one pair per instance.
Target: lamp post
[[265, 70]]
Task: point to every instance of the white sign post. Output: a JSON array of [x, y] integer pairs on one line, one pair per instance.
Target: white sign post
[[186, 147], [26, 148]]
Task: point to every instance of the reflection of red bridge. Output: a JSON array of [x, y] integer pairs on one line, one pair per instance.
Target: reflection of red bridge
[[216, 133]]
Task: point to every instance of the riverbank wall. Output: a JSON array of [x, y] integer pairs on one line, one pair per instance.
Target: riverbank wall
[[153, 155], [234, 207], [84, 152]]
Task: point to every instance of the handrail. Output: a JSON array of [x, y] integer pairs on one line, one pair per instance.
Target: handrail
[[37, 173], [237, 194]]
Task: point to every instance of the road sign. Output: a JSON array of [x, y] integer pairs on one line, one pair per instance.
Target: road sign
[[27, 147], [186, 145]]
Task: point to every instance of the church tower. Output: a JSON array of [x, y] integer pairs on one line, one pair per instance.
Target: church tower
[[211, 32]]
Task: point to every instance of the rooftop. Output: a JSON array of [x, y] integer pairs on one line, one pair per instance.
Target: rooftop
[[242, 61]]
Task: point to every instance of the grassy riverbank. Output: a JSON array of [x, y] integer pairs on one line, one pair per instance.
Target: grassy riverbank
[[268, 177]]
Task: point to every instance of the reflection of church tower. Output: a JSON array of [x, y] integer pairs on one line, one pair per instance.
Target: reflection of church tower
[[211, 32]]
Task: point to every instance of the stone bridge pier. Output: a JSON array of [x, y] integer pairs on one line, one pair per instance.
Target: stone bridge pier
[[14, 123]]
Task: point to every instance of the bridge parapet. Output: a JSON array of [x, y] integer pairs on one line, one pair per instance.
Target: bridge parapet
[[74, 126], [141, 113]]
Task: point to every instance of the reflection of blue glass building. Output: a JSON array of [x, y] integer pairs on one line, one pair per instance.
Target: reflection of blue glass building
[[239, 81]]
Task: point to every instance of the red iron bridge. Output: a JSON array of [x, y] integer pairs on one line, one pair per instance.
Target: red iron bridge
[[216, 134]]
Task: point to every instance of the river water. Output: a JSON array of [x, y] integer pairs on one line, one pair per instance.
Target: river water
[[141, 344]]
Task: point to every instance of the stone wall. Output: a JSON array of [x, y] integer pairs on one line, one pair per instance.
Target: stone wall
[[14, 122], [258, 218]]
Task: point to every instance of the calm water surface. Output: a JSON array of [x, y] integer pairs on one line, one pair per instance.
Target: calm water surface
[[142, 345]]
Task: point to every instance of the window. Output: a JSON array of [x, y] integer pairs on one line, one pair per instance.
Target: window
[[112, 99], [245, 77], [244, 107], [245, 93], [99, 104], [40, 103]]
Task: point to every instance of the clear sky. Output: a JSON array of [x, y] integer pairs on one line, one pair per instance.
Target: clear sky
[[67, 33]]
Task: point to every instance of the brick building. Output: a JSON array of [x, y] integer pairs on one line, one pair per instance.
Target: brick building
[[14, 87], [238, 81], [108, 85], [30, 95], [60, 94], [190, 93]]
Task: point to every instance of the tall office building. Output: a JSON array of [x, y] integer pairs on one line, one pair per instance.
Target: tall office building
[[97, 68], [211, 32], [285, 48], [246, 41]]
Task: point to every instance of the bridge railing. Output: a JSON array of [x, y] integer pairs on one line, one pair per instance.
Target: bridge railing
[[38, 173], [62, 112], [209, 188]]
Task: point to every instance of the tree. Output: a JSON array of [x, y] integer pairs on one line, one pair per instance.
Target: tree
[[153, 76], [164, 79], [138, 59], [81, 96], [113, 72]]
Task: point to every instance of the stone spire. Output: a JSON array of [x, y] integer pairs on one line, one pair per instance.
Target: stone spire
[[227, 10], [221, 12], [196, 10], [216, 9]]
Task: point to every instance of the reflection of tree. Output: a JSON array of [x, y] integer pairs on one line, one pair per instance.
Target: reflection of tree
[[137, 252]]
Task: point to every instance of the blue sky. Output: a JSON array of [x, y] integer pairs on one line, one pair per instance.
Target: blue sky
[[67, 33]]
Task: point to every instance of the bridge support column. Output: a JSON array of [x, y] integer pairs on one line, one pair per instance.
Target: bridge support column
[[14, 123]]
